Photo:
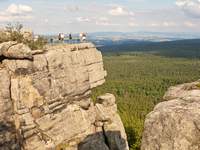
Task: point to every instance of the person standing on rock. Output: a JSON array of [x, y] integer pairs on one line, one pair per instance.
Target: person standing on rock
[[61, 37], [81, 37], [51, 40], [84, 37], [70, 38]]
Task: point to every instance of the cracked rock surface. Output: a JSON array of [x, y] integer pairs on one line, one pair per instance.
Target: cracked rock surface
[[175, 124], [45, 100]]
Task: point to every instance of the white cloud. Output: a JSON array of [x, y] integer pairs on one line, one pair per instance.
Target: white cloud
[[46, 20], [131, 13], [16, 12], [154, 25], [190, 7], [132, 24], [169, 24], [107, 24], [189, 24], [4, 18], [10, 18], [15, 9], [166, 24], [119, 11], [104, 21], [100, 21], [83, 19], [72, 8]]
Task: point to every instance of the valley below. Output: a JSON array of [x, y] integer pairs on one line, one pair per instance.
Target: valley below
[[139, 81], [54, 95]]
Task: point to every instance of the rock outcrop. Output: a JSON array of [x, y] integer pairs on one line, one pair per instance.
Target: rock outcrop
[[6, 35], [175, 123], [45, 101], [14, 50]]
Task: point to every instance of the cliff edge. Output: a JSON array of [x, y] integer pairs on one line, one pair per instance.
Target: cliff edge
[[175, 123], [45, 101]]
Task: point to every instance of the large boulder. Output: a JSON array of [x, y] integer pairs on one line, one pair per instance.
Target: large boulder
[[46, 100], [175, 124], [13, 50]]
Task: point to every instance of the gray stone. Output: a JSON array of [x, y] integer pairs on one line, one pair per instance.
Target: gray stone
[[174, 124]]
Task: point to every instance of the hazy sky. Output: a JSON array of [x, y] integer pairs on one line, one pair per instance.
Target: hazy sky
[[53, 16]]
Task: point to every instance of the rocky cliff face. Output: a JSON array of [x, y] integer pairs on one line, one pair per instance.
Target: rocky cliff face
[[45, 100], [175, 123]]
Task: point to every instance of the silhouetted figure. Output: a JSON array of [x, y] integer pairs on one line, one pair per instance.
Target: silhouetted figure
[[51, 40], [70, 36]]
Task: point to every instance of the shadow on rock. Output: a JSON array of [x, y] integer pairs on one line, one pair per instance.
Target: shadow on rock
[[8, 140], [110, 140]]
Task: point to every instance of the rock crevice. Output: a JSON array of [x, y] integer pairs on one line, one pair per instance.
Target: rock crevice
[[45, 100]]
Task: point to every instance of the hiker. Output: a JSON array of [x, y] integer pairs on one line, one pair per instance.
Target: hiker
[[82, 37], [51, 40], [61, 37], [70, 36]]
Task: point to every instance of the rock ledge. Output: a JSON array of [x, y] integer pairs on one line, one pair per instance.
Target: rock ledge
[[45, 100]]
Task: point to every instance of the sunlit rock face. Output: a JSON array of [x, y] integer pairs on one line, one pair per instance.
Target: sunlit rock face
[[45, 100], [175, 123], [5, 34]]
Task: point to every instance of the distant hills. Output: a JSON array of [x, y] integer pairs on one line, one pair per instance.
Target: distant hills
[[189, 48], [166, 44], [101, 37], [142, 36]]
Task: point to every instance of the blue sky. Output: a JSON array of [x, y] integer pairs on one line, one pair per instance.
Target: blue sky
[[53, 16]]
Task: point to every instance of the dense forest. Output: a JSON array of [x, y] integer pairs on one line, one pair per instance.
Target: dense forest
[[139, 81], [180, 48]]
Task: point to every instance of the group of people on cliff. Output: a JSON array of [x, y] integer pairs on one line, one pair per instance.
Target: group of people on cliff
[[61, 37]]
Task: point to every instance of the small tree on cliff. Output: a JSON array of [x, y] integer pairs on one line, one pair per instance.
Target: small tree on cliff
[[14, 33]]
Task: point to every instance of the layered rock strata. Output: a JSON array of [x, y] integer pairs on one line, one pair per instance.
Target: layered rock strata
[[45, 100]]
